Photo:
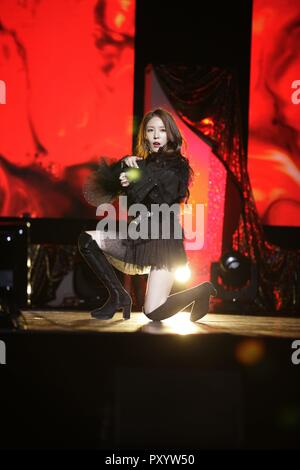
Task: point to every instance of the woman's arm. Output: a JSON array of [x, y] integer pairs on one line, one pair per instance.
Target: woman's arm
[[103, 184]]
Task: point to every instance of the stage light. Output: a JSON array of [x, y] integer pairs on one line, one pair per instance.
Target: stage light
[[182, 274], [235, 269], [236, 280]]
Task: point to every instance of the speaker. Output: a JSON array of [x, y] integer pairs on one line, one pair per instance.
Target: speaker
[[14, 262]]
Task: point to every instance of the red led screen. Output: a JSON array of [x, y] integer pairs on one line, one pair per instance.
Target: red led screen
[[68, 68], [274, 126]]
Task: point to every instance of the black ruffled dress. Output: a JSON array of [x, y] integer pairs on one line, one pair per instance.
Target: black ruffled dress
[[162, 179]]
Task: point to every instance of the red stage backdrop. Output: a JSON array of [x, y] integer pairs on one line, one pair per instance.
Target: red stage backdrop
[[68, 67], [274, 131]]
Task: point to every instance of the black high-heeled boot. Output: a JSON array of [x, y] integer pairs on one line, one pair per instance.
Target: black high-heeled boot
[[201, 305], [118, 296], [198, 295]]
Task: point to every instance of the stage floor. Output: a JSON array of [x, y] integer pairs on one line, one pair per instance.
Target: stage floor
[[242, 325], [227, 381]]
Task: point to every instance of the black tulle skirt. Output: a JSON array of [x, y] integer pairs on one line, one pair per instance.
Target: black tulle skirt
[[139, 256], [158, 254]]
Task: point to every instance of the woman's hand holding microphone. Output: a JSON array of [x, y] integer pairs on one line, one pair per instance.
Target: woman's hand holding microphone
[[132, 174]]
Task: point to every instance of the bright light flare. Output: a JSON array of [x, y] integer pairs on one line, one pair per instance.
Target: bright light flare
[[181, 324], [134, 174], [183, 274]]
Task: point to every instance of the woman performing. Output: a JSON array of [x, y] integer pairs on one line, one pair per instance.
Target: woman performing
[[157, 176]]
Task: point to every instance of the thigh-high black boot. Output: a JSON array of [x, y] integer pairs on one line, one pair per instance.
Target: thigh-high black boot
[[198, 295], [118, 296]]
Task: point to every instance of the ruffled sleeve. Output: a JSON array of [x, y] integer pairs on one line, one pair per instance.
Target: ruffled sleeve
[[103, 184], [161, 179]]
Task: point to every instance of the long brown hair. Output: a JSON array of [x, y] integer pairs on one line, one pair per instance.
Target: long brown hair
[[172, 147], [174, 137]]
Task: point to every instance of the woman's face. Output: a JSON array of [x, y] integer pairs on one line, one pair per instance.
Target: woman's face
[[156, 134]]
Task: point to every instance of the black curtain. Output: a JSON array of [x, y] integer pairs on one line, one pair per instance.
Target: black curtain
[[207, 100]]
